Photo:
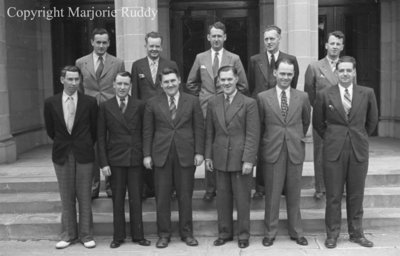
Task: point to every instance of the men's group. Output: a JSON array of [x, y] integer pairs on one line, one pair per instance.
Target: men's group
[[147, 131]]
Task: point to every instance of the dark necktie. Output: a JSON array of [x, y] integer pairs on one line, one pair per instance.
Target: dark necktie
[[284, 105], [122, 105], [215, 65], [271, 77], [347, 103], [172, 107], [227, 102], [100, 67]]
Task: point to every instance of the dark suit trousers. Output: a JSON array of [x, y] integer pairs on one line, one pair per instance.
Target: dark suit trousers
[[233, 186], [173, 174], [96, 177], [122, 178], [277, 176], [318, 167], [346, 170], [210, 181], [259, 176], [74, 182]]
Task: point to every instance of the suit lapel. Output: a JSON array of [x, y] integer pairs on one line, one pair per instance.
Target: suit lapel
[[274, 103], [326, 70], [226, 58], [208, 63], [355, 101], [59, 109], [180, 109], [263, 64], [116, 112], [235, 106], [334, 95], [164, 106], [220, 111], [293, 104], [79, 108], [107, 65], [147, 71], [89, 65]]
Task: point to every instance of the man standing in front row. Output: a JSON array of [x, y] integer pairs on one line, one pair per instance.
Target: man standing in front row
[[173, 143], [70, 118], [344, 116], [202, 81], [232, 139], [120, 157], [285, 118]]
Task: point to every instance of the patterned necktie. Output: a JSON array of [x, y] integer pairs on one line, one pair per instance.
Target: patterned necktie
[[333, 66], [172, 107], [284, 105], [153, 69], [215, 65], [122, 105], [71, 114], [347, 103], [100, 67]]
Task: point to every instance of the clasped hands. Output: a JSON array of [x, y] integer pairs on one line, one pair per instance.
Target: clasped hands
[[148, 161], [247, 168]]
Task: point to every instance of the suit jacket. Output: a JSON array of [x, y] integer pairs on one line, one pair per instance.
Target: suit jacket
[[143, 86], [232, 137], [186, 131], [120, 134], [329, 120], [319, 75], [103, 89], [258, 72], [274, 130], [83, 135], [201, 78]]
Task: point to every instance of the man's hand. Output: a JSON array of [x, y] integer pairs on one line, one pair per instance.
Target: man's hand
[[247, 168], [148, 162], [209, 165], [106, 170], [198, 159]]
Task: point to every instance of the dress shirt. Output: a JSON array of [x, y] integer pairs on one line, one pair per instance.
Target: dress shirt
[[65, 106], [156, 61], [231, 97], [332, 63], [96, 60], [220, 52], [350, 89], [276, 55], [119, 101], [279, 95], [176, 99]]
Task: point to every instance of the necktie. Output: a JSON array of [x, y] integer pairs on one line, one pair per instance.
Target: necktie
[[347, 103], [333, 66], [271, 77], [122, 105], [100, 67], [227, 102], [71, 113], [153, 70], [172, 107], [284, 105], [215, 65]]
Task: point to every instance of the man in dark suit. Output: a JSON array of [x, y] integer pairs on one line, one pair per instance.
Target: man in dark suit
[[70, 119], [99, 70], [146, 84], [120, 157], [261, 78], [232, 139], [285, 118], [173, 142], [320, 75], [344, 116], [202, 80]]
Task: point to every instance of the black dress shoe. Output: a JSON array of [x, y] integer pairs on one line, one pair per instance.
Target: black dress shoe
[[362, 241], [209, 196], [162, 242], [116, 243], [300, 240], [222, 241], [268, 241], [142, 242], [258, 195], [190, 241], [243, 243], [330, 243]]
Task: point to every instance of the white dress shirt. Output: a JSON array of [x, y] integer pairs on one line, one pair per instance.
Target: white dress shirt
[[342, 89], [96, 60], [176, 99], [220, 53], [65, 98], [279, 94]]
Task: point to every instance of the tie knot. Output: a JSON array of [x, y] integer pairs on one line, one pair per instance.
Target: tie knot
[[100, 58], [227, 98], [70, 98], [216, 53], [172, 99], [283, 93], [122, 100]]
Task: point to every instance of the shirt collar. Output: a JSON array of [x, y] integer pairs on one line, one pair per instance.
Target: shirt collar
[[151, 60], [119, 100], [279, 91], [350, 88], [66, 96], [232, 96], [96, 57], [276, 55], [219, 52], [176, 97]]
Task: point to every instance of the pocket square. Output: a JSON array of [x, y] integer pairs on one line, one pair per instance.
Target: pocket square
[[141, 76], [202, 66], [331, 108], [321, 76]]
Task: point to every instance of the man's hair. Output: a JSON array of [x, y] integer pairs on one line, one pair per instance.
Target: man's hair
[[346, 59], [100, 31], [70, 68], [338, 34], [217, 25], [228, 68], [284, 60], [153, 34], [123, 74], [272, 27], [167, 71]]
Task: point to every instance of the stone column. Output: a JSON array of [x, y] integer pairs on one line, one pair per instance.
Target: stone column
[[266, 8], [8, 150], [163, 26], [134, 18]]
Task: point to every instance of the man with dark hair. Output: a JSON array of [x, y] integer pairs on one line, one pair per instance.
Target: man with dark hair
[[261, 78], [232, 139], [202, 80], [344, 116], [99, 70], [120, 157], [320, 75], [70, 118], [173, 144]]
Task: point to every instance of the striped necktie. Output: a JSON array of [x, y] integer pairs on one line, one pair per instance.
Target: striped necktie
[[99, 68], [347, 103], [284, 105], [215, 65], [172, 107]]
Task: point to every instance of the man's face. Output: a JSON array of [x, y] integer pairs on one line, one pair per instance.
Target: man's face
[[100, 44], [153, 47], [345, 72], [122, 86], [216, 37], [71, 82], [228, 81], [170, 84], [284, 75], [334, 47], [271, 41]]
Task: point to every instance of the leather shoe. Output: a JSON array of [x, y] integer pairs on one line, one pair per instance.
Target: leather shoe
[[162, 242], [142, 242], [116, 243], [330, 243], [62, 244], [243, 243], [268, 241], [300, 240], [258, 195], [209, 196], [190, 241], [89, 244], [362, 241], [222, 241], [318, 195]]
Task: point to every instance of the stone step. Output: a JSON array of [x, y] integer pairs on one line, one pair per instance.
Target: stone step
[[47, 225], [21, 203]]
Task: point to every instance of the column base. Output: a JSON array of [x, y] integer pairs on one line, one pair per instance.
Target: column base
[[8, 151]]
